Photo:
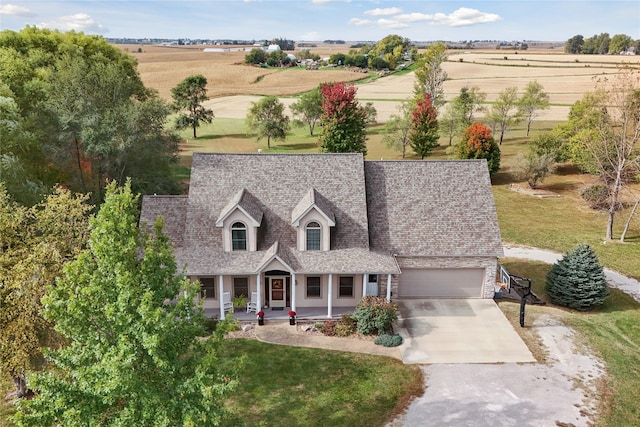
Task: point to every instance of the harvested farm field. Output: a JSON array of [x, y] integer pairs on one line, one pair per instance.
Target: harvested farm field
[[233, 85]]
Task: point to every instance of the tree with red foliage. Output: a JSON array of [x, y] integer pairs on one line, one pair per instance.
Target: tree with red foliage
[[344, 120], [423, 136], [477, 143]]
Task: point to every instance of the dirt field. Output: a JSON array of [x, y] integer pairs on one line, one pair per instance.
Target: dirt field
[[234, 85]]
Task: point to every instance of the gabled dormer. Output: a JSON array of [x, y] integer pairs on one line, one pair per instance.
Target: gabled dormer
[[313, 217], [240, 220]]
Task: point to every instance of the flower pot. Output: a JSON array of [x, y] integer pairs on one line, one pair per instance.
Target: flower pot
[[292, 320], [261, 321]]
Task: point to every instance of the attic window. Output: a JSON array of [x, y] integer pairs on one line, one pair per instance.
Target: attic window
[[238, 236], [313, 236]]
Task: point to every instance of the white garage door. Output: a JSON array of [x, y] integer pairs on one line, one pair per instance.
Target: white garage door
[[441, 283]]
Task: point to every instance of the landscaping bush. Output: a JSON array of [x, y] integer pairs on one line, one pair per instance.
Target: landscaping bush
[[577, 280], [534, 167], [596, 196], [387, 340], [210, 324], [346, 326], [329, 328], [375, 315]]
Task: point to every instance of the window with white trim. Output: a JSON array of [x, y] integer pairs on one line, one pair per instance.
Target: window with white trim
[[238, 237], [314, 233], [346, 287], [313, 287], [240, 287], [207, 287]]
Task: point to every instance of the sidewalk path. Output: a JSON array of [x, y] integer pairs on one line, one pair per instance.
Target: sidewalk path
[[616, 280]]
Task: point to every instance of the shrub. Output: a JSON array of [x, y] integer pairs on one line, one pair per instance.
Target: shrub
[[329, 328], [577, 280], [596, 196], [375, 315], [477, 143], [534, 168], [346, 326], [387, 340]]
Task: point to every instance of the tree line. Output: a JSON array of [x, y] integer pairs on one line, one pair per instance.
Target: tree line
[[602, 44]]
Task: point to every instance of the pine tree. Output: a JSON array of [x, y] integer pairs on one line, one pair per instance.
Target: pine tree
[[577, 280]]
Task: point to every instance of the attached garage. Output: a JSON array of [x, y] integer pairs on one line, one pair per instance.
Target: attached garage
[[441, 283]]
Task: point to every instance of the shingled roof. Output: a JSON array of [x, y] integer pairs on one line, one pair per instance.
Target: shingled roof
[[380, 208], [432, 208]]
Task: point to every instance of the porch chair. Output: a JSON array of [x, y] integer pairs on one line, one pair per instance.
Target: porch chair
[[252, 304], [227, 304]]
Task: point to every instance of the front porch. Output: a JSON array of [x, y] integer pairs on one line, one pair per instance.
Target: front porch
[[302, 313]]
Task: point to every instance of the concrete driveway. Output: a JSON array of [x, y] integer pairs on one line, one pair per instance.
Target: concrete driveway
[[458, 331]]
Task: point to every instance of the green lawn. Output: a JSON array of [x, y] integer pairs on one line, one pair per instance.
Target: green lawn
[[295, 386]]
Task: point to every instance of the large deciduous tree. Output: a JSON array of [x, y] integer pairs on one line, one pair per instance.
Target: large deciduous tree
[[308, 109], [398, 127], [188, 97], [134, 352], [344, 120], [423, 136], [391, 48], [477, 143], [532, 100], [266, 118], [606, 135], [84, 116], [35, 243], [505, 111], [430, 76], [460, 112], [574, 44]]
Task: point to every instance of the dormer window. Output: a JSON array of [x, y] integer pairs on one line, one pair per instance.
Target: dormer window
[[314, 233], [238, 236]]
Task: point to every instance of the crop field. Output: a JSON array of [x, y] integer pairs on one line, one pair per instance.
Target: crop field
[[234, 85]]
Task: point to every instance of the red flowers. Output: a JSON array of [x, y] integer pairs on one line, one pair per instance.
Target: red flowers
[[292, 313], [261, 314]]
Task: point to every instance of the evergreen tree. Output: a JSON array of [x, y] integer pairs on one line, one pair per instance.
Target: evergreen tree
[[577, 280]]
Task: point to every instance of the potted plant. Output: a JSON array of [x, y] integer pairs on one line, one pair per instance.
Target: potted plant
[[261, 318], [240, 301], [292, 317]]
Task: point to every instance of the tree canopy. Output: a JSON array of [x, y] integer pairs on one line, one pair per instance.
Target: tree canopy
[[344, 120], [82, 117], [188, 96], [135, 353], [308, 109], [430, 76], [266, 118], [477, 143], [35, 243], [423, 136]]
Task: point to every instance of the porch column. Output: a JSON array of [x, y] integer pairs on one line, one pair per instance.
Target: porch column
[[330, 297], [293, 291], [364, 285], [259, 289], [388, 287], [220, 291]]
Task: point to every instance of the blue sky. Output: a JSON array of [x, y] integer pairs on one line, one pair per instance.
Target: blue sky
[[311, 20]]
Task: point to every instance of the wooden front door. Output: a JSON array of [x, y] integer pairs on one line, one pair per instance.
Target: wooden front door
[[277, 292]]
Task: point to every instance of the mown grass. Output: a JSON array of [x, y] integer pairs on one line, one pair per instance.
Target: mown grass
[[611, 331], [295, 386]]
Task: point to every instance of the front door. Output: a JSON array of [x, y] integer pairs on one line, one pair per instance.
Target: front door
[[277, 292]]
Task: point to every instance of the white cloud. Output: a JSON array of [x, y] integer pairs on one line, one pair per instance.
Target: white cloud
[[391, 24], [389, 11], [465, 16], [12, 9], [80, 22], [358, 21]]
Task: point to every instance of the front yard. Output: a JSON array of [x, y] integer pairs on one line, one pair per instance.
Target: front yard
[[293, 386]]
